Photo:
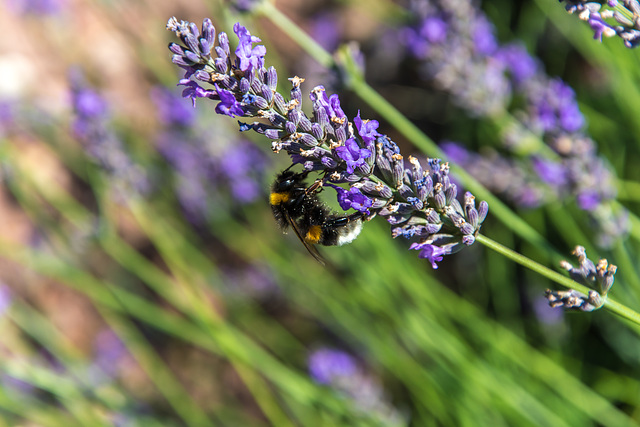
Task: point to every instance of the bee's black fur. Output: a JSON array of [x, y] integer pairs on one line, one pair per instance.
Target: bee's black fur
[[298, 206]]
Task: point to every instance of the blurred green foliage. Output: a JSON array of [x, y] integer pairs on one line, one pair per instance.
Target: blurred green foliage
[[217, 320]]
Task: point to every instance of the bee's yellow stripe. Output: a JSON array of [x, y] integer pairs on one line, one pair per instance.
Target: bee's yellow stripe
[[314, 234], [278, 198]]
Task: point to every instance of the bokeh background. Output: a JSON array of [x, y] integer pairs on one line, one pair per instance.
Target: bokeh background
[[143, 281]]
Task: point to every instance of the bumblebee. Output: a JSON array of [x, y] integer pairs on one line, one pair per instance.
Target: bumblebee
[[297, 206]]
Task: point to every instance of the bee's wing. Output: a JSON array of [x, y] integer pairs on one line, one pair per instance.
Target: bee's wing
[[311, 248]]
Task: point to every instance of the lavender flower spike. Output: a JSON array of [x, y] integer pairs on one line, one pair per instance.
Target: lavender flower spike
[[419, 203], [596, 276]]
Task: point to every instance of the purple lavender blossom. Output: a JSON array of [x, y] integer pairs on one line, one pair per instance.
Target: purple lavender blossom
[[244, 6], [342, 372], [353, 198], [241, 164], [430, 252], [544, 313], [5, 298], [552, 173], [37, 7], [415, 202], [92, 129], [325, 365], [432, 31], [588, 200], [109, 352], [482, 75], [454, 45], [203, 164], [556, 108], [249, 58], [505, 177], [352, 154], [228, 104], [518, 62], [484, 40], [193, 91], [171, 109], [368, 130]]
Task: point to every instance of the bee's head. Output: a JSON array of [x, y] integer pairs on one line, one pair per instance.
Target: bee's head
[[289, 180]]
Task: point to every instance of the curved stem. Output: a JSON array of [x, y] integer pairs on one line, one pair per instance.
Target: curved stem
[[614, 306]]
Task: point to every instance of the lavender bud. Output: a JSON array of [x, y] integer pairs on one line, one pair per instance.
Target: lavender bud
[[341, 133], [296, 96], [406, 192], [277, 120], [279, 103], [192, 44], [180, 61], [274, 133], [266, 93], [191, 57], [244, 85], [468, 239], [308, 140], [290, 127], [451, 193], [202, 76], [364, 169], [260, 103], [272, 79], [208, 33], [483, 210], [472, 217], [329, 162], [433, 217], [379, 203], [193, 28], [467, 229], [317, 131], [176, 49], [295, 116], [375, 189], [571, 299], [439, 199], [221, 65], [322, 119], [304, 123], [256, 84]]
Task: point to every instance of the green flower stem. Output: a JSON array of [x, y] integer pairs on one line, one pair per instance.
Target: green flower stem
[[156, 369], [227, 341], [614, 306], [420, 140], [181, 256], [629, 190], [59, 385], [175, 251], [174, 254], [612, 57], [40, 329], [286, 25], [35, 411]]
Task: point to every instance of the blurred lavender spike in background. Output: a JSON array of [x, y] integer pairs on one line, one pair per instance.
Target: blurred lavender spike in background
[[92, 128], [550, 110]]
